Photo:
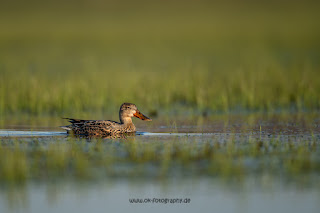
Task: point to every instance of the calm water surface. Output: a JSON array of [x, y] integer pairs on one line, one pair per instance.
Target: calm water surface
[[254, 192], [205, 195]]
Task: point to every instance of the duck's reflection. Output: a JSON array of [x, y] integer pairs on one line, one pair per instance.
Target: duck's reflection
[[110, 136]]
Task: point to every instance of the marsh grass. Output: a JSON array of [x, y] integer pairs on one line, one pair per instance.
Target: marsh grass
[[59, 159], [195, 58]]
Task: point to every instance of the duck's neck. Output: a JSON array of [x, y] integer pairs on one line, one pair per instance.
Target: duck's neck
[[126, 120], [126, 123]]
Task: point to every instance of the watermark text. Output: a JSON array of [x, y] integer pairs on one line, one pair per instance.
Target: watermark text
[[160, 200]]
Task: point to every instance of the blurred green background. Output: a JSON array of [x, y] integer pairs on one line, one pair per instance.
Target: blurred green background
[[80, 58]]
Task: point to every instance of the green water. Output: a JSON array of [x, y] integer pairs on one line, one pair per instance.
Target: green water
[[242, 162]]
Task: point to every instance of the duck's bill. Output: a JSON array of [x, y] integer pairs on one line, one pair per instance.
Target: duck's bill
[[138, 114]]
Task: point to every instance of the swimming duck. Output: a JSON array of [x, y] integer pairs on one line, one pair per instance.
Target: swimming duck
[[107, 127]]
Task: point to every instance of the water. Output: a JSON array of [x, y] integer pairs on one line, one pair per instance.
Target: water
[[205, 196], [13, 133], [253, 164]]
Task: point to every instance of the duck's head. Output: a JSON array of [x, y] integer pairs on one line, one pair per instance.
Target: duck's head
[[128, 110]]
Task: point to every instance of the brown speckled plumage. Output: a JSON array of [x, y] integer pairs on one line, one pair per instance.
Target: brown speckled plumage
[[101, 128]]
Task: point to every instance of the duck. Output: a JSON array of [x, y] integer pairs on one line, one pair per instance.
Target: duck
[[102, 128]]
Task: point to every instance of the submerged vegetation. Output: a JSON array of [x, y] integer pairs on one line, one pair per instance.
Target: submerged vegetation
[[204, 56], [235, 159]]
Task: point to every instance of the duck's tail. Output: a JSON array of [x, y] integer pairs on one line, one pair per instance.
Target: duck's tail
[[68, 128]]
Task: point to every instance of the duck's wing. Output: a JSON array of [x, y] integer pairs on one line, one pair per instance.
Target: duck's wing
[[92, 127]]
